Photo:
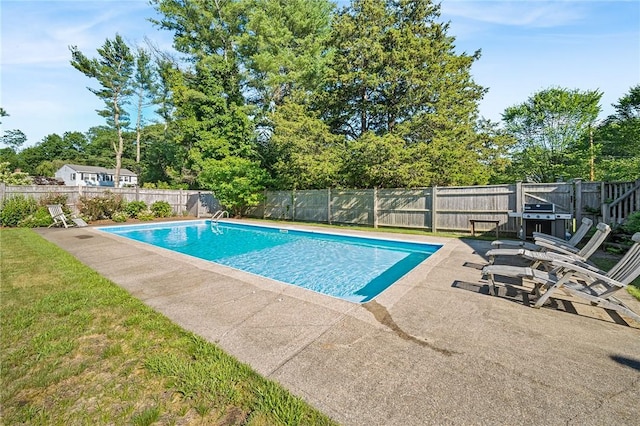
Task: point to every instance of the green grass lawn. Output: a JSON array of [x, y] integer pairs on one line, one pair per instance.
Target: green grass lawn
[[77, 349]]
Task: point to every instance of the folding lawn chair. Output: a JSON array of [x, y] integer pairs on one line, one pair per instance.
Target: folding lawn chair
[[59, 218]]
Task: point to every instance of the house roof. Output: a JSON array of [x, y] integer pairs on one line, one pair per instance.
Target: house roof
[[96, 169]]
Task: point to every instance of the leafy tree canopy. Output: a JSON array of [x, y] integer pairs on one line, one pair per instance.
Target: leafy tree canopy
[[617, 140], [236, 182], [302, 152], [546, 127], [14, 139]]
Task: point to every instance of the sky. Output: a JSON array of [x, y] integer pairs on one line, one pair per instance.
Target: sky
[[527, 46]]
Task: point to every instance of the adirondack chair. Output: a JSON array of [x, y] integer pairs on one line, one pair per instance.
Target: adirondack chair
[[59, 218], [580, 279], [555, 251], [580, 233]]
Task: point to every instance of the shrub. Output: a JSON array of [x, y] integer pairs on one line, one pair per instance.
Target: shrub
[[120, 217], [13, 178], [145, 215], [101, 207], [165, 185], [17, 208], [162, 209], [632, 224], [237, 182], [134, 207], [53, 198], [41, 217]]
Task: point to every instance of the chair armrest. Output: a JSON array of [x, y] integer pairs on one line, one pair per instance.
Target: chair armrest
[[515, 243], [558, 248], [557, 240], [581, 268]]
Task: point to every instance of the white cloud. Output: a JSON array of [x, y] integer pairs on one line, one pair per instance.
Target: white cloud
[[42, 34], [538, 14], [40, 89]]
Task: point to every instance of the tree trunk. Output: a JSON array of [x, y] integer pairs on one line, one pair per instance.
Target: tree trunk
[[138, 129], [120, 147], [363, 112]]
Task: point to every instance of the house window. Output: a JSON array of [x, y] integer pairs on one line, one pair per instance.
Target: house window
[[73, 176]]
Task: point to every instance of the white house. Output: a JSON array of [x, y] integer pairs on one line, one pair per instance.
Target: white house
[[77, 175]]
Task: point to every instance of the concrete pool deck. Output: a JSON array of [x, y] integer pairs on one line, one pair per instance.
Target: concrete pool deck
[[434, 348]]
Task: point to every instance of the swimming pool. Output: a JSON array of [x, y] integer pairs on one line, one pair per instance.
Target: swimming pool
[[353, 268]]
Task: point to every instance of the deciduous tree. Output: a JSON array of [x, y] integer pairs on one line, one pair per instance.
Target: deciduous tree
[[206, 124], [618, 140], [53, 147], [237, 182], [14, 139], [546, 127]]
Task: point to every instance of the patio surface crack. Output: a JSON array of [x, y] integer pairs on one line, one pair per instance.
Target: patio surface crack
[[382, 315]]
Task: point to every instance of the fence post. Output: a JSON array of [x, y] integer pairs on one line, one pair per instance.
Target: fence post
[[578, 202], [3, 188], [604, 207], [519, 197], [293, 205], [434, 212], [264, 205], [329, 206], [375, 206], [637, 207]]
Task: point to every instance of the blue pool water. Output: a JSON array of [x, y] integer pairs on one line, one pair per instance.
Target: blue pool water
[[351, 268]]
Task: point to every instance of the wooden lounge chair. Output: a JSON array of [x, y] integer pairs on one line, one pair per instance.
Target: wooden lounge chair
[[59, 218], [580, 279], [549, 239], [551, 251]]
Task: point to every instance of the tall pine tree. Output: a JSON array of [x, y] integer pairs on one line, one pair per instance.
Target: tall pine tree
[[395, 70], [113, 71]]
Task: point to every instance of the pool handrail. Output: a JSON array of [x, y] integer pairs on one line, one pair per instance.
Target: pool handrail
[[219, 215]]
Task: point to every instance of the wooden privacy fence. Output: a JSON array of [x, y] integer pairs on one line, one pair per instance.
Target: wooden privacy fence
[[452, 208], [435, 208], [194, 203]]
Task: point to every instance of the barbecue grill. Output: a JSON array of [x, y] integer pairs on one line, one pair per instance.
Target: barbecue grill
[[542, 217]]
